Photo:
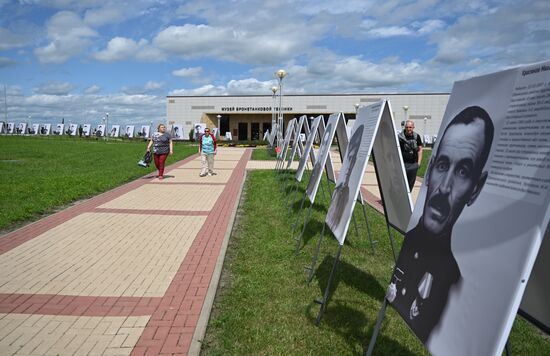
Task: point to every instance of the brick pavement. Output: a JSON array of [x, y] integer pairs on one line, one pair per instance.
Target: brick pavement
[[124, 273]]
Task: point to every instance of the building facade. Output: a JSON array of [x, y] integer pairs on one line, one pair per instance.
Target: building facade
[[248, 117]]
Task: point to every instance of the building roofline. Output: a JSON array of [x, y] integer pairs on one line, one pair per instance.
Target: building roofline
[[300, 95]]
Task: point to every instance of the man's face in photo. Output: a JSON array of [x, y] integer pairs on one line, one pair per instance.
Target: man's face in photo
[[453, 175], [409, 128], [352, 157]]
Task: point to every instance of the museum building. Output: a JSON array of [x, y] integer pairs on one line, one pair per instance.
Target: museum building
[[247, 117]]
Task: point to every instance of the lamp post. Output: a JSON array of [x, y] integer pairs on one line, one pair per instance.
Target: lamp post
[[218, 131], [273, 103], [425, 125], [405, 109], [150, 128], [281, 73]]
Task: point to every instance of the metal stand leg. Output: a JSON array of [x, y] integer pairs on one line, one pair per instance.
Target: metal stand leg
[[284, 180], [298, 216], [376, 330], [324, 301], [392, 244], [354, 222], [323, 191], [293, 189], [315, 255], [368, 227], [299, 238]]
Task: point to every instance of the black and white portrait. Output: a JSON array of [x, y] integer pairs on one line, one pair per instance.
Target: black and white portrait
[[115, 131], [86, 128], [342, 202], [426, 270], [46, 128], [100, 131]]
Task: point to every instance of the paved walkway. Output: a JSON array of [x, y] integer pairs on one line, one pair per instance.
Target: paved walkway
[[131, 271]]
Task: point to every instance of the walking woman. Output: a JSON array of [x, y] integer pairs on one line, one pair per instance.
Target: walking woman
[[162, 146], [207, 150]]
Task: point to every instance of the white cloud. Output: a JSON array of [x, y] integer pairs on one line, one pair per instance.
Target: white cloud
[[9, 39], [108, 13], [123, 109], [69, 37], [151, 85], [208, 89], [93, 89], [6, 62], [148, 87], [54, 89], [121, 48], [503, 35], [430, 26], [231, 44], [187, 72], [390, 31], [117, 49]]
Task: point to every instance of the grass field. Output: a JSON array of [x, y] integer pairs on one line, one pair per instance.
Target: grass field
[[39, 175], [263, 154], [265, 307]]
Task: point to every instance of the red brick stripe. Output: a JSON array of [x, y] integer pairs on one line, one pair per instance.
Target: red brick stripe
[[188, 183], [50, 304], [171, 327]]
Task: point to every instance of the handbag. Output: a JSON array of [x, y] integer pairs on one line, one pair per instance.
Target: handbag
[[144, 162]]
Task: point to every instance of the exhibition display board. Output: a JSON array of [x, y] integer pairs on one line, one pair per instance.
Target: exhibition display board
[[481, 215], [115, 131], [323, 154], [86, 129], [390, 173], [286, 142], [534, 305], [295, 143], [308, 151], [144, 131], [178, 133], [353, 167]]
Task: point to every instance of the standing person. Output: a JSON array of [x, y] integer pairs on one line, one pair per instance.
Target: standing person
[[207, 150], [162, 147], [411, 150]]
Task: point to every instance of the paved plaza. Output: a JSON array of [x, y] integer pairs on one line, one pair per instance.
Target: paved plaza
[[132, 271]]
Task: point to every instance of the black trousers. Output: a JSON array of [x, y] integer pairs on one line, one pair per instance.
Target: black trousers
[[411, 169]]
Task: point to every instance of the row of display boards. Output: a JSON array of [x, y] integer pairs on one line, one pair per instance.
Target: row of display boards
[[474, 253], [22, 128]]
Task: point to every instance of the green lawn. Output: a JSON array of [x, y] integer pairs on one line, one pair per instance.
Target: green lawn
[[40, 174], [426, 154], [265, 307], [263, 154]]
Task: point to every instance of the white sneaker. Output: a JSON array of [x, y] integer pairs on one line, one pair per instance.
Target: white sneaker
[[209, 174], [202, 175]]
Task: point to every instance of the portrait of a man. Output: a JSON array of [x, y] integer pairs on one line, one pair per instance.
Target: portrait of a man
[[342, 194], [426, 271]]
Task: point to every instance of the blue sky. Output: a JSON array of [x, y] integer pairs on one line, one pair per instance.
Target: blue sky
[[79, 59]]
